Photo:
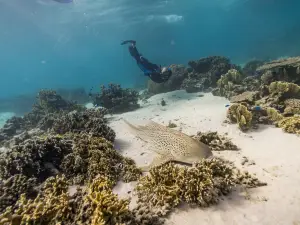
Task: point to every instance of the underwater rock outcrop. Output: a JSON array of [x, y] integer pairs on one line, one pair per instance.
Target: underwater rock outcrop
[[205, 73], [117, 99], [281, 70], [179, 73]]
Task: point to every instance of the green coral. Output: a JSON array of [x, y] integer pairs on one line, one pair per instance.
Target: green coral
[[290, 124], [203, 184], [238, 113]]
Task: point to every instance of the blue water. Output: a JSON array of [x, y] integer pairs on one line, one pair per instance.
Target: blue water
[[46, 44]]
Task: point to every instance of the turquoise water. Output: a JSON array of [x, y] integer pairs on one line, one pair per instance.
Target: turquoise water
[[46, 44]]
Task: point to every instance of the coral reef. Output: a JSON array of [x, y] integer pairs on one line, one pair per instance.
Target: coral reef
[[292, 107], [205, 73], [179, 73], [196, 82], [290, 124], [36, 157], [230, 84], [51, 206], [48, 105], [249, 97], [92, 156], [284, 90], [251, 83], [250, 67], [238, 113], [203, 184], [282, 70], [116, 99], [91, 121], [216, 141], [12, 188]]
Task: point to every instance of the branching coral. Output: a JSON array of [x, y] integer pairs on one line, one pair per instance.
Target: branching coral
[[290, 124], [89, 121], [104, 207], [273, 114], [12, 188], [203, 184], [51, 206], [238, 113], [34, 158], [92, 156], [292, 106], [284, 89], [215, 141], [117, 99], [229, 84]]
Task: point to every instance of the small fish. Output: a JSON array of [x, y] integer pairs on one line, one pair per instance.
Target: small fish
[[256, 108], [170, 145]]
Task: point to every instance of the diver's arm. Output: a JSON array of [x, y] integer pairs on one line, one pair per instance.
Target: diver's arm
[[128, 41]]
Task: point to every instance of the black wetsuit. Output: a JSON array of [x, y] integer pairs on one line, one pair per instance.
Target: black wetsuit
[[151, 70]]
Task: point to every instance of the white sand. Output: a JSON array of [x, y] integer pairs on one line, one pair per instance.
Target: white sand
[[276, 154]]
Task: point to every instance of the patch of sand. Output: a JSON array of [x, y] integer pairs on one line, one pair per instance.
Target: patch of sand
[[275, 153]]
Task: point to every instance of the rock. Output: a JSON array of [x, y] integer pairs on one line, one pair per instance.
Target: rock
[[248, 96]]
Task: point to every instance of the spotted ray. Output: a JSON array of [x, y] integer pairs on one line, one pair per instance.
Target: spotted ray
[[170, 145]]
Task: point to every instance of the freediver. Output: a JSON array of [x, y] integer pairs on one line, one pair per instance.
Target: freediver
[[153, 71]]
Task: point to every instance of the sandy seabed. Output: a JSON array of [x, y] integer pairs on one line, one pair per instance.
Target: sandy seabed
[[276, 155]]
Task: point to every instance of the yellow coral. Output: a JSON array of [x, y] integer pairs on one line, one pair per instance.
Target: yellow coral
[[290, 124], [239, 114], [51, 206], [227, 81], [168, 185], [273, 114], [279, 87], [105, 205]]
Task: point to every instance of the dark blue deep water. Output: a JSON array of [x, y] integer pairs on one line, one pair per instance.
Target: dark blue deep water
[[47, 44]]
